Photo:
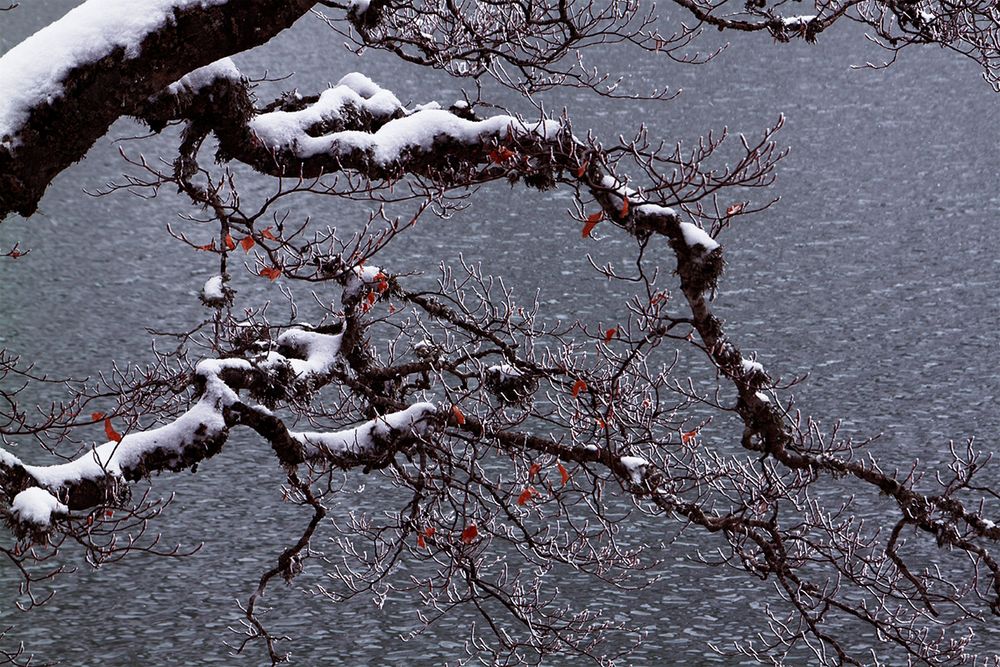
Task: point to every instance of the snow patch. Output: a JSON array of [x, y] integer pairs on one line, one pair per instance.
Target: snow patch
[[203, 77], [695, 236], [36, 506], [365, 439], [635, 466]]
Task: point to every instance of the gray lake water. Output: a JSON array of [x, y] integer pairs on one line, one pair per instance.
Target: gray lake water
[[875, 274]]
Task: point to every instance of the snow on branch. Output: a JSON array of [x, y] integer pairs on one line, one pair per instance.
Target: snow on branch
[[38, 493], [57, 82]]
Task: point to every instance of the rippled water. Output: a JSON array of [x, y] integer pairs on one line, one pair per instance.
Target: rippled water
[[875, 275]]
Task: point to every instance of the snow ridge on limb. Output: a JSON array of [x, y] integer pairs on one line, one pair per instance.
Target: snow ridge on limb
[[36, 495], [56, 83]]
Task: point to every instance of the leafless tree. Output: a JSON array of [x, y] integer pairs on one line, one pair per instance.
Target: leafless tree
[[513, 444]]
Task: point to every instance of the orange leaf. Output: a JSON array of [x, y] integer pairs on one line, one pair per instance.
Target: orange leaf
[[578, 386], [110, 431], [271, 272], [247, 243], [610, 334], [534, 469], [458, 414], [266, 233], [734, 209], [526, 495], [470, 533], [97, 416], [592, 221], [689, 436], [624, 210], [582, 169], [230, 244], [563, 473], [208, 247]]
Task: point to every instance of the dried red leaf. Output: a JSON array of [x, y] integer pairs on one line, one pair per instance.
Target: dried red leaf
[[534, 469], [501, 154], [429, 531], [420, 541], [689, 436], [563, 473], [90, 519], [97, 416], [370, 298], [582, 169], [592, 221], [470, 533], [271, 272], [109, 514], [266, 233], [247, 243], [578, 386], [610, 334], [624, 210], [526, 495], [734, 209], [110, 431], [208, 247], [458, 414], [230, 243]]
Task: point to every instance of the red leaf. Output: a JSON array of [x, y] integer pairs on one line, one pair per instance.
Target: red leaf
[[230, 244], [624, 210], [501, 154], [563, 473], [458, 414], [208, 247], [578, 386], [582, 169], [429, 531], [371, 298], [689, 436], [110, 431], [420, 541], [526, 495], [610, 334], [470, 533], [247, 243], [109, 514], [392, 309], [266, 233], [97, 416], [271, 272], [534, 469], [592, 221], [734, 209], [90, 519]]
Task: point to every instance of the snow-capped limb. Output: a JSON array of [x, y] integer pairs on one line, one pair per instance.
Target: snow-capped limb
[[201, 431], [367, 442], [57, 82]]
